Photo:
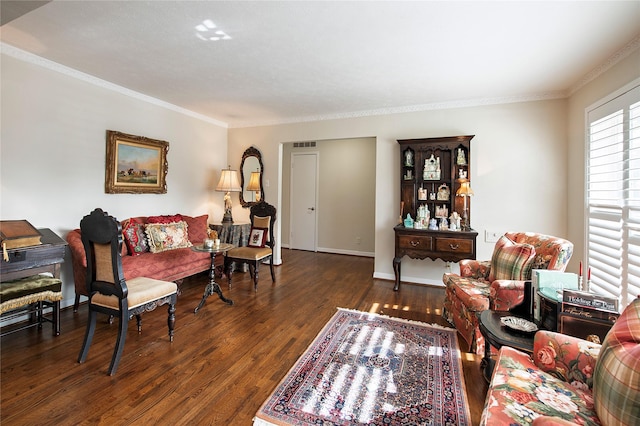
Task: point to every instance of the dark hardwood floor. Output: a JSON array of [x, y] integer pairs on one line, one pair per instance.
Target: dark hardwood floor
[[224, 360]]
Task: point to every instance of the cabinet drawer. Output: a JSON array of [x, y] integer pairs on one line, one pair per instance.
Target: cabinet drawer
[[417, 242], [454, 245]]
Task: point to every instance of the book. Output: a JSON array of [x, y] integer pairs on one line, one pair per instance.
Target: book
[[590, 300], [18, 234], [581, 311]]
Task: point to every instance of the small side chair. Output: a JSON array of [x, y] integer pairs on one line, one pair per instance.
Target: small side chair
[[109, 293], [260, 245]]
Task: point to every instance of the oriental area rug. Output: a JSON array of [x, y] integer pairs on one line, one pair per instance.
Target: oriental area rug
[[371, 369]]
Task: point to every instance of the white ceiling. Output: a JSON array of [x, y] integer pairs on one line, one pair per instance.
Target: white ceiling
[[298, 61]]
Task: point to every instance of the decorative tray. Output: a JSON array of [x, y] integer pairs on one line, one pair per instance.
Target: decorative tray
[[519, 324]]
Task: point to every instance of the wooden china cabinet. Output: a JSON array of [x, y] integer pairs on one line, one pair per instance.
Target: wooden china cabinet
[[432, 170]]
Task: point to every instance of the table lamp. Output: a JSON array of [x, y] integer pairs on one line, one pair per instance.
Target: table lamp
[[254, 184], [228, 183], [465, 191]]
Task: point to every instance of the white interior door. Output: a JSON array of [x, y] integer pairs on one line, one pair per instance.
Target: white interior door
[[304, 185]]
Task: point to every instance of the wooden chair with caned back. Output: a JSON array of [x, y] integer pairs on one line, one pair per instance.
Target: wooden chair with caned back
[[108, 291], [260, 246]]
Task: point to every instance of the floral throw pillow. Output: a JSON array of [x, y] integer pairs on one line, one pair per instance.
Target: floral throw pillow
[[135, 238], [167, 236]]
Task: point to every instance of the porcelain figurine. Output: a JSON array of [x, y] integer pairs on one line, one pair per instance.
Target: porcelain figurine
[[408, 222], [443, 192], [431, 169], [461, 160]]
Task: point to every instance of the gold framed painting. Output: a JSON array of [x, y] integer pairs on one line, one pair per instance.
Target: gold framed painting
[[135, 164]]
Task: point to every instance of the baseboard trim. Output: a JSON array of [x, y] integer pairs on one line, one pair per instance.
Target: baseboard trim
[[412, 280]]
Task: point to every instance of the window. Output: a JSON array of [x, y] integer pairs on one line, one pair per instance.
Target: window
[[613, 196]]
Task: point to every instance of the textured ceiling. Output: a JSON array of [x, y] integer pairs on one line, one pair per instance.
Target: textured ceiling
[[297, 61]]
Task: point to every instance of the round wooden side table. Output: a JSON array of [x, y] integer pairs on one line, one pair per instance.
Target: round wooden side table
[[497, 335]]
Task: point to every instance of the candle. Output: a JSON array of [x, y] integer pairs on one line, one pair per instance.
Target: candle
[[580, 274]]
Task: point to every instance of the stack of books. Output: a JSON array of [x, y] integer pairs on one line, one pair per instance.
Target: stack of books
[[17, 234]]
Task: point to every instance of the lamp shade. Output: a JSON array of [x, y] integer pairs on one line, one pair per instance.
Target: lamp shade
[[464, 190], [254, 182], [229, 181]]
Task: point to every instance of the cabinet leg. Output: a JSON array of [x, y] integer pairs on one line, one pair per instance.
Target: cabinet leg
[[396, 270]]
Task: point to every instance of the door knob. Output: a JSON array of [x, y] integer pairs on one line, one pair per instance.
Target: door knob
[[311, 208]]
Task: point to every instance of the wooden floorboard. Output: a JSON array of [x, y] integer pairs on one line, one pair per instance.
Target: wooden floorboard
[[224, 360]]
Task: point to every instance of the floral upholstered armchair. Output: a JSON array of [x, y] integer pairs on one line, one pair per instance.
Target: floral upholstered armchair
[[568, 380], [499, 283]]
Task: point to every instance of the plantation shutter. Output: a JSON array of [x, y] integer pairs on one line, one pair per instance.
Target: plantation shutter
[[613, 197]]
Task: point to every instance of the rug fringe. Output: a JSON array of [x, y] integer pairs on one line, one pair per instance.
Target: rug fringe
[[434, 325]]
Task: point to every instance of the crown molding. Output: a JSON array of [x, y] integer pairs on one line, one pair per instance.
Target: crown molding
[[468, 103], [405, 109], [24, 56], [609, 63]]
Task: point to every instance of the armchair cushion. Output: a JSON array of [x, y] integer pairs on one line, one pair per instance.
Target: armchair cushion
[[616, 388], [566, 357], [476, 269], [511, 261], [520, 392]]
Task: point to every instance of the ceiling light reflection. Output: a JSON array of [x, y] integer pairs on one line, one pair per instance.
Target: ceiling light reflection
[[208, 25]]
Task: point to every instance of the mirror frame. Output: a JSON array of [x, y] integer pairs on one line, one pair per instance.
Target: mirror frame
[[250, 152]]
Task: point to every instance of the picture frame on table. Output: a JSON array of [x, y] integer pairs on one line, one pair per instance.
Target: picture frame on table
[[135, 164]]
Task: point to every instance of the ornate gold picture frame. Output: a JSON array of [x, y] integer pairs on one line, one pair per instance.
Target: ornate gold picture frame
[[135, 164]]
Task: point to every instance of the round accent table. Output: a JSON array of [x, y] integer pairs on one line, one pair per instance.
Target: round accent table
[[497, 335], [212, 285]]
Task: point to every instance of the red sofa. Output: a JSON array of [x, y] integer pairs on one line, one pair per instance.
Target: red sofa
[[170, 265]]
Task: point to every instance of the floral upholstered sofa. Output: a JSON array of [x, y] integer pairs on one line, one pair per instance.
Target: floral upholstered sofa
[[569, 380], [157, 247], [499, 283]]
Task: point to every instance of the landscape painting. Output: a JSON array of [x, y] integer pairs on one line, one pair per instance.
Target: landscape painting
[[135, 164]]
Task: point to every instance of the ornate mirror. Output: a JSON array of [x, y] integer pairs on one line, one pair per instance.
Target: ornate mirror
[[251, 170]]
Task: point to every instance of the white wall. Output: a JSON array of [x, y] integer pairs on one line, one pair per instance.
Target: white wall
[[518, 168], [52, 158]]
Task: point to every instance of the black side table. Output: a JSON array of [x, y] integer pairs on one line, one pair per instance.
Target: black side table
[[497, 335], [212, 285]]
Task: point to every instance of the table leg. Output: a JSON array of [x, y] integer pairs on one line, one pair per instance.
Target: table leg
[[212, 287]]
